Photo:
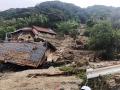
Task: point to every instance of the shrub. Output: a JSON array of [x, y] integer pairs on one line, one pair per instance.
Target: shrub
[[104, 38]]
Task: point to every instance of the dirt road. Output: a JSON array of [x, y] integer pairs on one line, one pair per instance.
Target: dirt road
[[91, 73]]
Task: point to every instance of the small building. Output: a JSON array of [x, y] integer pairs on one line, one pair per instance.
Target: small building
[[30, 34]]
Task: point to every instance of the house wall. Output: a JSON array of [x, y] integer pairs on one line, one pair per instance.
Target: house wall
[[26, 36], [23, 36], [14, 37], [46, 35], [29, 36]]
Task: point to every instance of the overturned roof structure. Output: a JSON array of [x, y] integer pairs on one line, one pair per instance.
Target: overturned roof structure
[[24, 54]]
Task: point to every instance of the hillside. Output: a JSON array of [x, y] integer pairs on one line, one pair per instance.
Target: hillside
[[86, 38], [51, 13], [55, 10]]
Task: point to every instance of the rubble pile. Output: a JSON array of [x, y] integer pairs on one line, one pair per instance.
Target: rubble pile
[[66, 53]]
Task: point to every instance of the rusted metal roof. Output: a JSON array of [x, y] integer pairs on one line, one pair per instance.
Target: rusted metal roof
[[44, 30], [35, 30], [25, 54]]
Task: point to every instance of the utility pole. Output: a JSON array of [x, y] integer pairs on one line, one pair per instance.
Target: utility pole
[[6, 37]]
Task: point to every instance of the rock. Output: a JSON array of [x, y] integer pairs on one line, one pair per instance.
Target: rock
[[111, 83], [117, 79], [78, 47], [68, 55], [79, 42]]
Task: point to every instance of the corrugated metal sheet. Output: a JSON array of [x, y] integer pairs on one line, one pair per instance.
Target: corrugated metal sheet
[[44, 30], [26, 54]]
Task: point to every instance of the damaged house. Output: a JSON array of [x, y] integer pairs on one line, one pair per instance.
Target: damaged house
[[22, 50], [26, 54], [31, 34]]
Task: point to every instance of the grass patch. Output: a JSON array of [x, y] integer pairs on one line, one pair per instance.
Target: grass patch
[[67, 69], [81, 73]]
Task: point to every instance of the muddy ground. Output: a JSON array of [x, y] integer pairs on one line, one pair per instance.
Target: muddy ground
[[38, 79]]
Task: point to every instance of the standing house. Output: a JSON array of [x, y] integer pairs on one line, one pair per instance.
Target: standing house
[[30, 34]]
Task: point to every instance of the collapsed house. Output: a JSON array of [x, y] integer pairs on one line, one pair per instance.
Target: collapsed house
[[26, 54], [28, 46], [31, 34]]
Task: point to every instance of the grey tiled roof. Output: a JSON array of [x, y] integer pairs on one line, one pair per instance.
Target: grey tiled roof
[[26, 54]]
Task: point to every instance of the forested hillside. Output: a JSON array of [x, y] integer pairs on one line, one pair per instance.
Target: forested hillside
[[55, 11], [56, 15]]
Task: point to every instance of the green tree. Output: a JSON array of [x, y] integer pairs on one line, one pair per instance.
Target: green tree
[[67, 27], [4, 30], [104, 38], [90, 23]]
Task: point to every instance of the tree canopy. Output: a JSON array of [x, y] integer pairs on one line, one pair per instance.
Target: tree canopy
[[104, 38], [59, 15]]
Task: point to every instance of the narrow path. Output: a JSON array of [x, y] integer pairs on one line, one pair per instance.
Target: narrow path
[[92, 73]]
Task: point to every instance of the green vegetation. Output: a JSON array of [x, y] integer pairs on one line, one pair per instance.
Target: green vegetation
[[62, 17], [73, 70], [67, 27], [4, 30], [67, 69], [16, 23], [103, 23], [101, 36], [105, 39], [98, 83]]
